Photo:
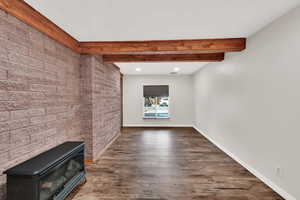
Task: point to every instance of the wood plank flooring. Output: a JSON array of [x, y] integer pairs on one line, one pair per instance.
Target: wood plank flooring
[[169, 164]]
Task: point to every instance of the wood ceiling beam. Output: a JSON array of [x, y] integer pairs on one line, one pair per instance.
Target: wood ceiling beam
[[213, 57], [165, 46], [189, 49], [21, 10]]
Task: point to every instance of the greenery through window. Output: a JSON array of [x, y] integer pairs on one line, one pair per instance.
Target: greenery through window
[[156, 107]]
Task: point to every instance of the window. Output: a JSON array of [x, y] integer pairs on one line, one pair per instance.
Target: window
[[156, 101]]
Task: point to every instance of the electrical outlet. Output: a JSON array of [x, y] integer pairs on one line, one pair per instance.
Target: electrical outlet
[[279, 172]]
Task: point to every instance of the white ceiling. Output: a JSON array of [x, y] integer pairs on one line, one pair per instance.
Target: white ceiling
[[123, 20], [160, 68], [111, 20]]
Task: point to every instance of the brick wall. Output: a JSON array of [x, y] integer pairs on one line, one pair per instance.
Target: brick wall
[[43, 91], [102, 101], [106, 105], [39, 94], [86, 111]]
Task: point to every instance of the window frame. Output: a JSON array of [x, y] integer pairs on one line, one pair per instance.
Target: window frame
[[144, 117], [143, 104]]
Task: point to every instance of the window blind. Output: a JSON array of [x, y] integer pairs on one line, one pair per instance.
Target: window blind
[[156, 91]]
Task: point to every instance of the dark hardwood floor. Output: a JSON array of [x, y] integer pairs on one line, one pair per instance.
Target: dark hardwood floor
[[169, 163]]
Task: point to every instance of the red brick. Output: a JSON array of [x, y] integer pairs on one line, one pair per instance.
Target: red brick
[[50, 78], [18, 153], [4, 141], [3, 31], [3, 15], [37, 137], [52, 67], [19, 137], [19, 26], [3, 74], [18, 96], [42, 119], [36, 120], [21, 64], [23, 72], [56, 109], [25, 60], [13, 105], [50, 57], [43, 88], [41, 103], [37, 128], [4, 126], [36, 53], [5, 158], [4, 116], [16, 37], [37, 39], [50, 45], [3, 51], [36, 112], [41, 136], [19, 114], [5, 64], [17, 75], [49, 97], [17, 124], [13, 86], [4, 28], [100, 87], [15, 48]]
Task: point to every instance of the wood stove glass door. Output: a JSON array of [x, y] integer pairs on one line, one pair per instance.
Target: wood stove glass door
[[60, 176]]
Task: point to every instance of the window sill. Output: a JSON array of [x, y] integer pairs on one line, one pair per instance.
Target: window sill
[[156, 117]]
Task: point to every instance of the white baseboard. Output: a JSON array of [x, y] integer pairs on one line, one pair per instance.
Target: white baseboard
[[157, 125], [267, 181]]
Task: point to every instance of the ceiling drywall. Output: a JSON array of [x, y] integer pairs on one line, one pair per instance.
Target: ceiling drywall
[[160, 68], [115, 20], [111, 20]]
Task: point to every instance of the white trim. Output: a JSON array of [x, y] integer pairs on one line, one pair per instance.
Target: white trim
[[143, 106], [267, 181], [158, 125]]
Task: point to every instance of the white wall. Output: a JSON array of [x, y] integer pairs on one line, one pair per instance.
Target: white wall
[[181, 101], [250, 103]]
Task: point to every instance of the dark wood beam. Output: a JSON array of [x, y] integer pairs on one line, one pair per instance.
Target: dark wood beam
[[212, 57], [165, 46], [21, 10]]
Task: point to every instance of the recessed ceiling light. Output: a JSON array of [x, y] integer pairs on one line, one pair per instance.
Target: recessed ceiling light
[[176, 69], [138, 69]]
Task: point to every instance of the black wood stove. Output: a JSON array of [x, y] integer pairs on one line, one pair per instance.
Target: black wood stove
[[49, 176]]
